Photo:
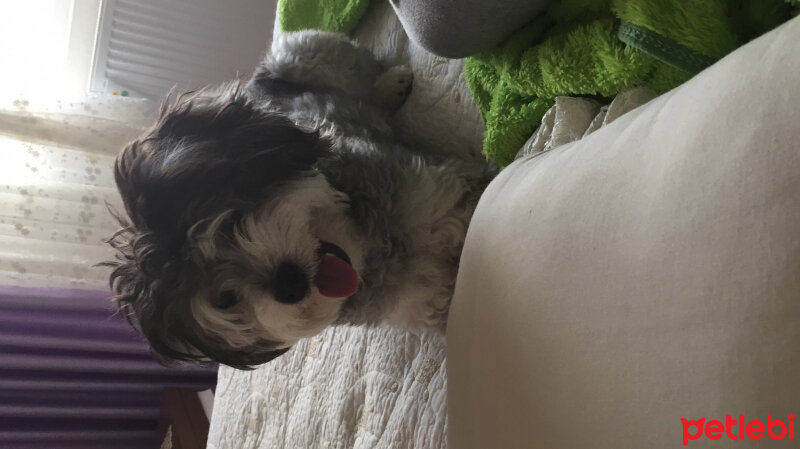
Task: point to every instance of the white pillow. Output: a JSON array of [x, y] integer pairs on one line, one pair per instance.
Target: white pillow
[[645, 274]]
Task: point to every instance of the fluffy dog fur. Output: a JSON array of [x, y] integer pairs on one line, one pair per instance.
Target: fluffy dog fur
[[232, 192]]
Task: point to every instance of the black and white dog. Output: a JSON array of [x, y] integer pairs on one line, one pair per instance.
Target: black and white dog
[[261, 213]]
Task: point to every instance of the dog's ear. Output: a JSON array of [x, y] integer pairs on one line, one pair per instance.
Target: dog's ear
[[195, 344], [209, 153], [154, 308]]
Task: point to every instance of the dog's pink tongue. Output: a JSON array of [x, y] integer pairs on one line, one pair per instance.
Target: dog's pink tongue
[[335, 277]]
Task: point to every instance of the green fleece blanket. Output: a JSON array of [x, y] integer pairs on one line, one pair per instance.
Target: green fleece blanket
[[580, 48], [326, 15]]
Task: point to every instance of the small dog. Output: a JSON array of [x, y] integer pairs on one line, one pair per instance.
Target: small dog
[[261, 213]]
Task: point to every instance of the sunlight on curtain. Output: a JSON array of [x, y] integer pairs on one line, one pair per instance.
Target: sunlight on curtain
[[56, 176]]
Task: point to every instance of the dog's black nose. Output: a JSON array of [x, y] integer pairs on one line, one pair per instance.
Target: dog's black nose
[[291, 283]]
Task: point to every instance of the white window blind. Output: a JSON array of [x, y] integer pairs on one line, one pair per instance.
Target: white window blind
[[146, 47]]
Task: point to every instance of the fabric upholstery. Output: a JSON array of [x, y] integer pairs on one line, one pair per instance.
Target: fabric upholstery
[[646, 273]]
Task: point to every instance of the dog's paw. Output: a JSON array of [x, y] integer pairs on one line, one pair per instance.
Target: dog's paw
[[393, 87]]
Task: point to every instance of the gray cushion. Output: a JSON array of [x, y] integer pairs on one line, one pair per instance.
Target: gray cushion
[[459, 28]]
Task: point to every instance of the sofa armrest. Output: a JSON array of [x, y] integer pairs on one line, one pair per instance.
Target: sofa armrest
[[645, 274]]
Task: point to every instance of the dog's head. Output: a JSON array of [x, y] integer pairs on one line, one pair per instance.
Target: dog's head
[[232, 250]]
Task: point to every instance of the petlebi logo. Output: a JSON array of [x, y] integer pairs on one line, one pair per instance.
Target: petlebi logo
[[738, 429]]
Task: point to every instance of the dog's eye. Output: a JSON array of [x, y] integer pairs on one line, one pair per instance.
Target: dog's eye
[[226, 300]]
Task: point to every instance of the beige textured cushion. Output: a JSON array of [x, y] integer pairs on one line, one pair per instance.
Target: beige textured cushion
[[647, 273]]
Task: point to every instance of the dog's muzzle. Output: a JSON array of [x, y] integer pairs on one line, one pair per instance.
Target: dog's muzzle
[[336, 277], [291, 283]]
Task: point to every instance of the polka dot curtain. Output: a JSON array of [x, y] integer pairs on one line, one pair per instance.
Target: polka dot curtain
[[56, 177]]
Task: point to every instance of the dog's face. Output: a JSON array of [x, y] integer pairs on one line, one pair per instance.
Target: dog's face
[[236, 247]]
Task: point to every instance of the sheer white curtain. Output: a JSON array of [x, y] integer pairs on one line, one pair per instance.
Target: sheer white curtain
[[56, 176], [72, 374]]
